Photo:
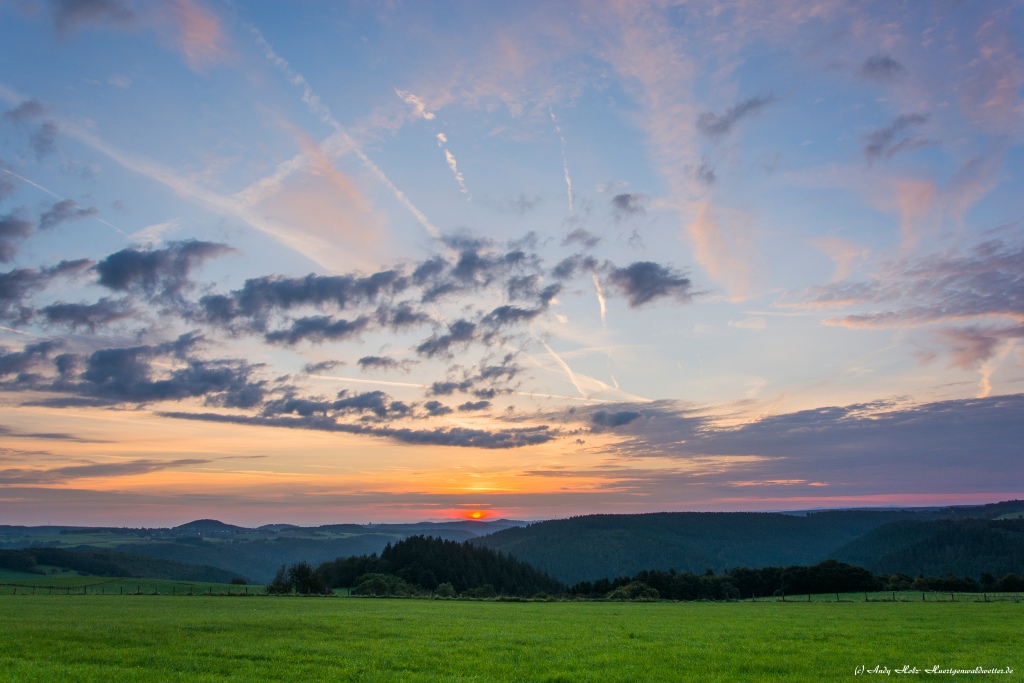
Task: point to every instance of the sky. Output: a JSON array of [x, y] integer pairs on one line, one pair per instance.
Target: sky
[[316, 262]]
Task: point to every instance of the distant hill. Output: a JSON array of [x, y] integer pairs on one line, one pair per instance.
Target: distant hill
[[964, 547], [252, 553], [110, 563], [606, 546], [209, 526]]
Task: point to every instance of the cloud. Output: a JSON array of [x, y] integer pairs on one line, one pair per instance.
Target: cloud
[[645, 281], [44, 140], [628, 205], [16, 285], [966, 439], [582, 237], [382, 363], [199, 35], [89, 316], [569, 267], [28, 110], [704, 173], [321, 367], [988, 280], [318, 329], [31, 356], [71, 15], [419, 109], [471, 406], [882, 68], [127, 468], [461, 332], [65, 210], [453, 165], [13, 229], [436, 408], [603, 418], [455, 436], [160, 273], [715, 126], [888, 140]]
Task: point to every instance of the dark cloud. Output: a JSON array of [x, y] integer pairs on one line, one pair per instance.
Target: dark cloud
[[645, 281], [401, 316], [322, 366], [585, 239], [455, 436], [16, 285], [881, 67], [714, 125], [447, 388], [141, 374], [381, 363], [603, 418], [889, 140], [436, 408], [13, 229], [460, 332], [29, 358], [259, 297], [510, 315], [71, 15], [855, 444], [469, 406], [66, 210], [161, 273], [629, 205], [318, 329], [89, 316]]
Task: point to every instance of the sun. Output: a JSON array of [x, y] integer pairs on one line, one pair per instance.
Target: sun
[[476, 514]]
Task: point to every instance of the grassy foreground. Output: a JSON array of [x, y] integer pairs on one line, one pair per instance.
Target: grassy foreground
[[155, 638]]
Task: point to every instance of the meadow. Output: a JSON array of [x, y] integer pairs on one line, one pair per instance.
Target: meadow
[[104, 637]]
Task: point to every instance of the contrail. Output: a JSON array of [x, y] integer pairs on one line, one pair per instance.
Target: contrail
[[59, 198], [566, 368], [321, 110], [565, 162], [600, 298]]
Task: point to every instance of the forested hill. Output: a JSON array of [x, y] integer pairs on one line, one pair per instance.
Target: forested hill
[[108, 563], [605, 546], [964, 547]]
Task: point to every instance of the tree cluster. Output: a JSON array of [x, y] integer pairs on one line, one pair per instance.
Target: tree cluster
[[435, 565]]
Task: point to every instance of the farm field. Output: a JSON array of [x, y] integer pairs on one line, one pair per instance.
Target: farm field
[[115, 638]]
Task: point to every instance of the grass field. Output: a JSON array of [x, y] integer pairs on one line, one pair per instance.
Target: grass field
[[154, 638]]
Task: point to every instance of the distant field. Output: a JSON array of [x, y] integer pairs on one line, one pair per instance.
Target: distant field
[[114, 638]]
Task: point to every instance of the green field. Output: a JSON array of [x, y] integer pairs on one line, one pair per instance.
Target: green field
[[113, 638]]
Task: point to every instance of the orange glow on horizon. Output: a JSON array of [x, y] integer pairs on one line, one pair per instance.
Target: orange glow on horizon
[[477, 514]]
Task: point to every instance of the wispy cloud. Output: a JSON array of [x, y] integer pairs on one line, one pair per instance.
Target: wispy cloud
[[323, 112]]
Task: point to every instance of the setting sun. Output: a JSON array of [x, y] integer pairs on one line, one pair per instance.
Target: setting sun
[[476, 514]]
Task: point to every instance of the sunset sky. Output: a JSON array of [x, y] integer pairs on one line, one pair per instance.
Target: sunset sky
[[316, 262]]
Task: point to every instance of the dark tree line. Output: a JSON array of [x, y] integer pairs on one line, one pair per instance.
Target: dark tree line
[[829, 576]]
